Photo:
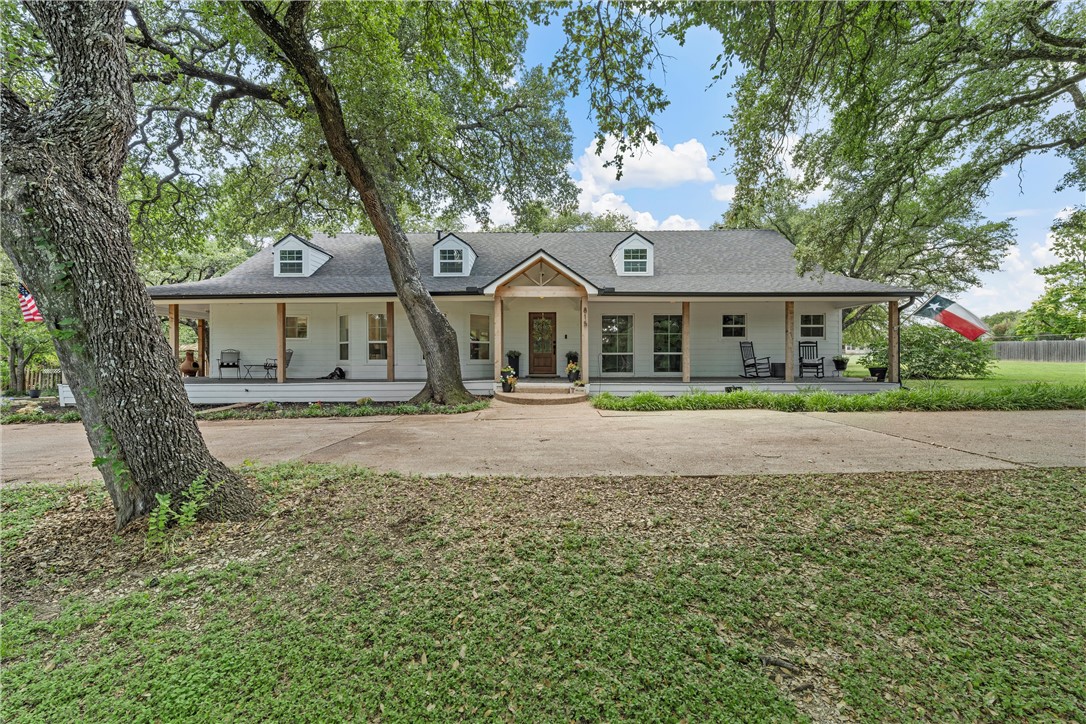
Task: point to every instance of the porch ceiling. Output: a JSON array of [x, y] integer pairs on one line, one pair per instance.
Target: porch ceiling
[[186, 310]]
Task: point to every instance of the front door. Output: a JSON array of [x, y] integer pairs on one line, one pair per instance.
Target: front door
[[543, 343]]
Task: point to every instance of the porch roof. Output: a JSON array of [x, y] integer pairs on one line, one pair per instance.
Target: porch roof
[[687, 263]]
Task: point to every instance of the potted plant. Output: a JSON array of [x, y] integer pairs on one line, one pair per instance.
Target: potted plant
[[875, 361], [840, 362], [508, 379], [34, 394], [513, 358], [573, 371], [572, 357]]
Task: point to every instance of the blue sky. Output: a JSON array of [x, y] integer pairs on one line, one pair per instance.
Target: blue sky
[[678, 184]]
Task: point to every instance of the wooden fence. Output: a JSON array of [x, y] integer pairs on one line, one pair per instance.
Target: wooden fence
[[42, 379], [1048, 350]]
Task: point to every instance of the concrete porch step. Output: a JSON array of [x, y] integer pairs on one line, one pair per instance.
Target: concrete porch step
[[535, 397], [534, 388]]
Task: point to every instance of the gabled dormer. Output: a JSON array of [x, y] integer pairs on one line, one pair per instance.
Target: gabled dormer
[[453, 257], [296, 257], [633, 257]]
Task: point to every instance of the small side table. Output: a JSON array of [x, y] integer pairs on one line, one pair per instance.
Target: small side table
[[249, 369]]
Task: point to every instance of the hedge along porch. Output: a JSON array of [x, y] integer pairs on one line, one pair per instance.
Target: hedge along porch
[[646, 310]]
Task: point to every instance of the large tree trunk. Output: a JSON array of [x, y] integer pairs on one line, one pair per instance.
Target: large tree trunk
[[66, 231], [444, 382]]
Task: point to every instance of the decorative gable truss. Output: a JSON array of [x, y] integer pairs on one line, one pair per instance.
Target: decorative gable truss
[[453, 257], [296, 257], [633, 257]]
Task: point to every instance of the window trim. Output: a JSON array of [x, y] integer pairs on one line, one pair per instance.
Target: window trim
[[300, 261], [679, 354], [295, 317], [489, 343], [380, 360], [803, 326], [630, 354], [725, 326]]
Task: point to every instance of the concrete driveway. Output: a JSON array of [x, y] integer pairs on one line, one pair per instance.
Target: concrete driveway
[[577, 440]]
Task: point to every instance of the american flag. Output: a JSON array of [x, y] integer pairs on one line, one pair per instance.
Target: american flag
[[28, 305]]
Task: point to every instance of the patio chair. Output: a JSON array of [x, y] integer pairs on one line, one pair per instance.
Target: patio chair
[[753, 366], [809, 359], [271, 365], [229, 359]]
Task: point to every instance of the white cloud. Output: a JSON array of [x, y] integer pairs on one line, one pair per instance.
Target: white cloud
[[723, 192], [643, 220], [655, 167]]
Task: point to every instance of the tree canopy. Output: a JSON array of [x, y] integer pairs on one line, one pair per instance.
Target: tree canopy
[[1061, 309]]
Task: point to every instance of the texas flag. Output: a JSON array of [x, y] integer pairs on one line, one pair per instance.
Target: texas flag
[[953, 315]]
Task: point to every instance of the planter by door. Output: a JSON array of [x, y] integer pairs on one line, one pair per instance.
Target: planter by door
[[840, 364], [506, 387], [514, 362], [879, 373], [542, 342]]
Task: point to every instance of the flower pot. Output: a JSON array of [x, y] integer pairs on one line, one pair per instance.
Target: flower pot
[[506, 387], [514, 362], [879, 373], [840, 364], [34, 394]]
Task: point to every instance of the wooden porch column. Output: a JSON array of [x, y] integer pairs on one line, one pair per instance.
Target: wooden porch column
[[281, 342], [789, 341], [584, 337], [893, 368], [390, 327], [201, 347], [686, 341], [175, 336], [496, 345]]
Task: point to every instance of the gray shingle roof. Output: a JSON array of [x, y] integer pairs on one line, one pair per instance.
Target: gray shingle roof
[[725, 263]]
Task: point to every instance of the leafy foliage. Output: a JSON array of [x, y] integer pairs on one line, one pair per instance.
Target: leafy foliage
[[1037, 396], [1003, 324], [935, 352], [1061, 310]]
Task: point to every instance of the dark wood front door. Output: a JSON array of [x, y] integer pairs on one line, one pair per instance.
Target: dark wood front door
[[542, 341]]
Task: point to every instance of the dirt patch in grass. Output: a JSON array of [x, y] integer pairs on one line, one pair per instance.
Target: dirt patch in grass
[[833, 597]]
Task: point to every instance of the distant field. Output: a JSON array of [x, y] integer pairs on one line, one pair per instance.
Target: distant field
[[1006, 373]]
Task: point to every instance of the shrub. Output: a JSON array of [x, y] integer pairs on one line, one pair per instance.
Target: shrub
[[935, 353]]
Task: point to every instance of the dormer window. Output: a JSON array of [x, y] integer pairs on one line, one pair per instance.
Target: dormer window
[[453, 257], [633, 257], [290, 261], [296, 257], [635, 261], [451, 261]]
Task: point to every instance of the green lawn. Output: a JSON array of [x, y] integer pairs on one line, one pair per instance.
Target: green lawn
[[872, 597], [1006, 374]]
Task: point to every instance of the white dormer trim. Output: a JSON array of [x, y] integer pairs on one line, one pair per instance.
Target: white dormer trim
[[633, 257], [451, 250], [301, 258], [531, 261]]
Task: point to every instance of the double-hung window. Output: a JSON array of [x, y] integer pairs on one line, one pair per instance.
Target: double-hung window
[[734, 325], [667, 343], [297, 327], [812, 325], [344, 338], [635, 261], [479, 335], [451, 261], [377, 340], [290, 261], [617, 344]]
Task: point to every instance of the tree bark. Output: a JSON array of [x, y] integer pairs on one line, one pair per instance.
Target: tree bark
[[66, 231], [444, 382]]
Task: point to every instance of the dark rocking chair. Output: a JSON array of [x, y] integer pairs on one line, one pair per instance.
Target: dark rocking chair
[[753, 366], [809, 359]]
